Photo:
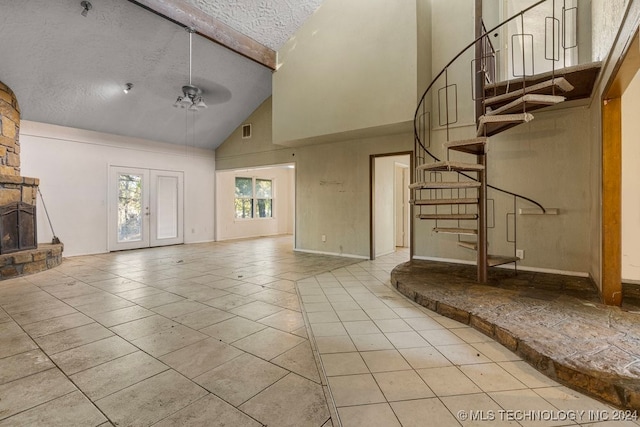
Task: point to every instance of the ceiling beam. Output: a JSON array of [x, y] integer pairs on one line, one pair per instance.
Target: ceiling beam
[[183, 13]]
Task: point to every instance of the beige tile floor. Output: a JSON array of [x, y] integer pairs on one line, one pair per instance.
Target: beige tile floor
[[215, 335]]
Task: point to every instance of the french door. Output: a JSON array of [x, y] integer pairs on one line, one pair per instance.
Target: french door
[[145, 208]]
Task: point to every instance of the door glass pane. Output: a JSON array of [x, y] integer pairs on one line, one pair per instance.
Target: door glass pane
[[130, 213], [167, 215]]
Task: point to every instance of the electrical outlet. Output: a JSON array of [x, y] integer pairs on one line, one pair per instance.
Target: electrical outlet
[[324, 238], [520, 253]]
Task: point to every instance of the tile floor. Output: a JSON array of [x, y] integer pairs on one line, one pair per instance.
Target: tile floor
[[214, 334]]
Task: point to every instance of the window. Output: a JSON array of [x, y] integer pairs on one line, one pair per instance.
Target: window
[[264, 198], [253, 198], [244, 197]]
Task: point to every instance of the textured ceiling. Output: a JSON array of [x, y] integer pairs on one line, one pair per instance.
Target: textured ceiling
[[269, 22], [70, 70]]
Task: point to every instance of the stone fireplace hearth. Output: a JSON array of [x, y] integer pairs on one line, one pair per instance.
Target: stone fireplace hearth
[[19, 251]]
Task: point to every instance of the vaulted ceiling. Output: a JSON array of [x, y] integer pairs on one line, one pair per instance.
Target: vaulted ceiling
[[70, 70]]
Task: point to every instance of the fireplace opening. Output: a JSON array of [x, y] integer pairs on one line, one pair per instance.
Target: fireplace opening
[[17, 227]]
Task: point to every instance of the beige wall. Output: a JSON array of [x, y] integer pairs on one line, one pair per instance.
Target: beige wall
[[424, 42], [549, 161], [630, 180], [352, 66], [452, 24], [332, 183], [605, 21]]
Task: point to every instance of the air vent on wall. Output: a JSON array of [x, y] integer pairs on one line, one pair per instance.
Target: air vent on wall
[[246, 131]]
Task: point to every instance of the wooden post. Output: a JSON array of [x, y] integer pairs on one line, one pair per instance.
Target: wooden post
[[612, 201]]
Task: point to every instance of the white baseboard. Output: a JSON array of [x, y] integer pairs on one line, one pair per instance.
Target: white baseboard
[[438, 259], [309, 251], [507, 266], [385, 253]]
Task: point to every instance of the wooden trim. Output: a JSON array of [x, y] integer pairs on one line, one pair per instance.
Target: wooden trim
[[372, 206], [611, 292], [183, 13], [625, 70], [612, 201]]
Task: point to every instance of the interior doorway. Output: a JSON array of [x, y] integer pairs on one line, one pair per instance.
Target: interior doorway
[[145, 208], [390, 211]]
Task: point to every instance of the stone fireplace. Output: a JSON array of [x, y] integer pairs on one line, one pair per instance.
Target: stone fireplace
[[19, 252]]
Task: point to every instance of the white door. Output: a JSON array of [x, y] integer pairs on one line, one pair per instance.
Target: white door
[[145, 208], [401, 204]]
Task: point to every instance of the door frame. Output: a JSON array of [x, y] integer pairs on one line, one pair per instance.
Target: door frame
[[611, 222], [401, 194], [149, 238], [372, 205]]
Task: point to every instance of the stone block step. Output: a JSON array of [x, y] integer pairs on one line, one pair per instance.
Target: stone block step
[[547, 87], [469, 146], [494, 260], [447, 216], [444, 185], [469, 245], [527, 103], [491, 125], [455, 230], [429, 202], [451, 166]]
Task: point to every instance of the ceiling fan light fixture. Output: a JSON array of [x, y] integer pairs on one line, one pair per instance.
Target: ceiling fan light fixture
[[86, 7], [185, 101], [177, 103], [191, 95]]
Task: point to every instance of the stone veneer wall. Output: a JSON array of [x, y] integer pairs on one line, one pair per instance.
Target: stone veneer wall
[[9, 132], [15, 188], [18, 189], [30, 261]]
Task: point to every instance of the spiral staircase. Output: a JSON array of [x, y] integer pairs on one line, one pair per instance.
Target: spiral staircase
[[453, 193]]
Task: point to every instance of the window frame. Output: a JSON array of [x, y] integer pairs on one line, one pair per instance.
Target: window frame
[[254, 199]]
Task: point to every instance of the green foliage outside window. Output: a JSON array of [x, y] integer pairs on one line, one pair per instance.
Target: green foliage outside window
[[253, 198]]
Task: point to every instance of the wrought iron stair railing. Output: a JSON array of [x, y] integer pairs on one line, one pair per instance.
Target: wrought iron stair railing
[[453, 192]]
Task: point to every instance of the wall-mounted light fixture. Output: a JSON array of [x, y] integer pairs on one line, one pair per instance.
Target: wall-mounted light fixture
[[127, 87], [86, 7]]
